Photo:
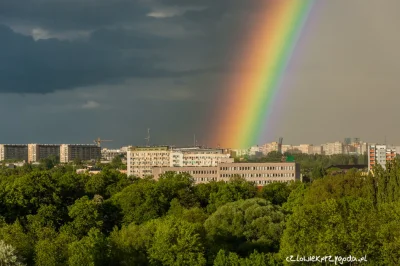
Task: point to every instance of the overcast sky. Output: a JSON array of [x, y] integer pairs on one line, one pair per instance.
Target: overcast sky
[[74, 70]]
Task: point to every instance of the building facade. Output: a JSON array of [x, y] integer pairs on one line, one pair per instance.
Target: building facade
[[110, 154], [13, 152], [259, 173], [84, 152], [141, 160], [36, 152], [317, 149], [333, 148], [380, 155], [270, 147]]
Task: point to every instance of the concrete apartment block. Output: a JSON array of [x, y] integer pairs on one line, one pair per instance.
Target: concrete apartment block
[[36, 152], [13, 152], [85, 152], [141, 160]]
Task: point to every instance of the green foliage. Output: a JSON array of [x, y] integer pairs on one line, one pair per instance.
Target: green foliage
[[15, 235], [236, 189], [53, 251], [53, 216], [277, 193], [177, 242], [85, 215], [8, 255], [91, 250], [246, 225]]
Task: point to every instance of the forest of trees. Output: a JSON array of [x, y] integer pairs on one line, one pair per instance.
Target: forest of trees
[[49, 215]]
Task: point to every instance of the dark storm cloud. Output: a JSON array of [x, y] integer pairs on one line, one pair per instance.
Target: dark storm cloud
[[72, 14], [120, 43], [43, 66]]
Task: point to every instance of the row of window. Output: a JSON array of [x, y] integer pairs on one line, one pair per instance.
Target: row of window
[[259, 175], [256, 168], [199, 172]]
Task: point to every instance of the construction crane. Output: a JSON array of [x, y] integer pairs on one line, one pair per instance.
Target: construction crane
[[98, 141]]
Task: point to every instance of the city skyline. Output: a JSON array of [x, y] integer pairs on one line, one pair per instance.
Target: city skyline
[[132, 65]]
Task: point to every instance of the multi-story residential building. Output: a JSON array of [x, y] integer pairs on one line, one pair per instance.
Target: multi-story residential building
[[109, 154], [13, 152], [333, 148], [380, 155], [286, 148], [36, 152], [84, 152], [239, 152], [255, 151], [260, 173], [317, 149], [305, 148], [198, 157], [269, 147], [141, 160]]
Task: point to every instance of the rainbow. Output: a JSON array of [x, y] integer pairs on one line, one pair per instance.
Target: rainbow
[[259, 70]]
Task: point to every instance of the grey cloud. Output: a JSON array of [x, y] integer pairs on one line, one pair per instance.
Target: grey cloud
[[43, 66], [72, 14]]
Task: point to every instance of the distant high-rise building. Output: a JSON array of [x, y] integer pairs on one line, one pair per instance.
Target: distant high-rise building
[[110, 154], [304, 148], [380, 155], [333, 148], [84, 152], [13, 152], [317, 149], [270, 147], [36, 152]]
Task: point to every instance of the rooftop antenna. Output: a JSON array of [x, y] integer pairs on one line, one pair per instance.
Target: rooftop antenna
[[148, 137], [194, 140]]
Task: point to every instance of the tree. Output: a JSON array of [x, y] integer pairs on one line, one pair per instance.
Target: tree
[[255, 259], [177, 242], [53, 251], [236, 189], [140, 202], [8, 255], [246, 225], [277, 193], [15, 235], [85, 215], [129, 244], [91, 250], [335, 227], [116, 162]]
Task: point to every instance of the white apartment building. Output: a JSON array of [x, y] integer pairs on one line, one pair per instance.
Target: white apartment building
[[304, 148], [380, 155], [84, 152], [317, 149], [269, 147], [333, 148], [286, 148], [141, 160], [110, 154]]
